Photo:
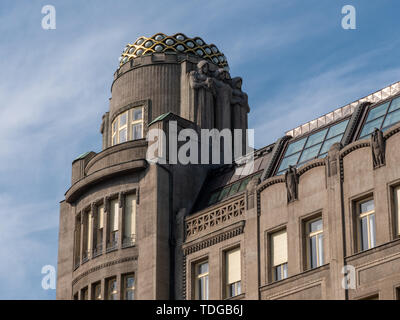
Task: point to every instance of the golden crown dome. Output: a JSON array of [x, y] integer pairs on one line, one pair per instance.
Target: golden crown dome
[[178, 43]]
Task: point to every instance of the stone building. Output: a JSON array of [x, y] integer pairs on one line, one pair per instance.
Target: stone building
[[316, 218]]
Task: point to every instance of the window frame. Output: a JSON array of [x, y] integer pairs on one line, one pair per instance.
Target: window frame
[[197, 277], [358, 218], [237, 286], [116, 126], [125, 289], [108, 291], [308, 235], [94, 286], [272, 268], [395, 216]]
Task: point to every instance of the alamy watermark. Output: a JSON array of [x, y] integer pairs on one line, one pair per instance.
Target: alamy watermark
[[349, 20], [206, 146], [49, 280], [49, 20]]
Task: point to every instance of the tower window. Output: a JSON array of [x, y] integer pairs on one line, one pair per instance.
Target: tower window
[[128, 126], [112, 292], [129, 287], [96, 291]]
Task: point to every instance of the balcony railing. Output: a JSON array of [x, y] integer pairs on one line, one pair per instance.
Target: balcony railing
[[129, 241], [112, 245], [97, 251], [85, 257]]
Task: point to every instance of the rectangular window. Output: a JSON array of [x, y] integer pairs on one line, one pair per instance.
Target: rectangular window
[[201, 281], [98, 230], [396, 196], [96, 291], [315, 243], [84, 293], [114, 222], [129, 287], [76, 296], [137, 123], [279, 255], [233, 273], [366, 224], [129, 220], [112, 292]]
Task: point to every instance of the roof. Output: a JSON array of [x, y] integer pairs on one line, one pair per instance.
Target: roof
[[229, 180], [177, 43]]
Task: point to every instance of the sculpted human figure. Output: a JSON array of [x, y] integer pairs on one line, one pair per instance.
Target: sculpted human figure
[[204, 91], [378, 148], [291, 181], [223, 99]]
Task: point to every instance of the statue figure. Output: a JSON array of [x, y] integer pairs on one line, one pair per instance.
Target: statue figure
[[239, 109], [103, 121], [223, 99], [291, 181], [378, 148], [203, 85]]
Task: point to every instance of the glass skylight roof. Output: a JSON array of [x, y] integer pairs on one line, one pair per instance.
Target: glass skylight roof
[[382, 117], [313, 146]]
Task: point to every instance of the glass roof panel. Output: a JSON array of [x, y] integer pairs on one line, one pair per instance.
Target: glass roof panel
[[377, 111], [395, 104], [392, 118], [295, 146], [337, 129], [310, 153], [291, 160], [328, 143], [316, 138], [369, 127]]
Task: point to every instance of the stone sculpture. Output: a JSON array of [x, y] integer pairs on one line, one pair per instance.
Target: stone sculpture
[[291, 181], [204, 86], [378, 148]]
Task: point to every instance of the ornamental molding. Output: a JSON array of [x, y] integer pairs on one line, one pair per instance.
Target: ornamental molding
[[310, 165], [209, 241], [102, 266], [365, 143]]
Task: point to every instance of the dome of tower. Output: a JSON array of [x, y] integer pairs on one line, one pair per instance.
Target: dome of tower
[[177, 43]]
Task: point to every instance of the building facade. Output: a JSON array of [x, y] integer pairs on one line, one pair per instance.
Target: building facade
[[317, 217]]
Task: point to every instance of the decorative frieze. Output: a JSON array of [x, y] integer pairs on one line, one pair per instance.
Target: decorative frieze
[[214, 218]]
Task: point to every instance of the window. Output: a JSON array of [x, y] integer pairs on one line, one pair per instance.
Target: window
[[396, 196], [77, 241], [398, 294], [279, 255], [128, 126], [98, 231], [96, 291], [76, 296], [129, 220], [201, 281], [313, 146], [129, 287], [233, 273], [382, 117], [366, 224], [315, 243], [112, 292], [84, 293], [87, 229], [113, 227]]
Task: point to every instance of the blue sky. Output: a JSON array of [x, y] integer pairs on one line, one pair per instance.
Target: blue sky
[[296, 61]]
